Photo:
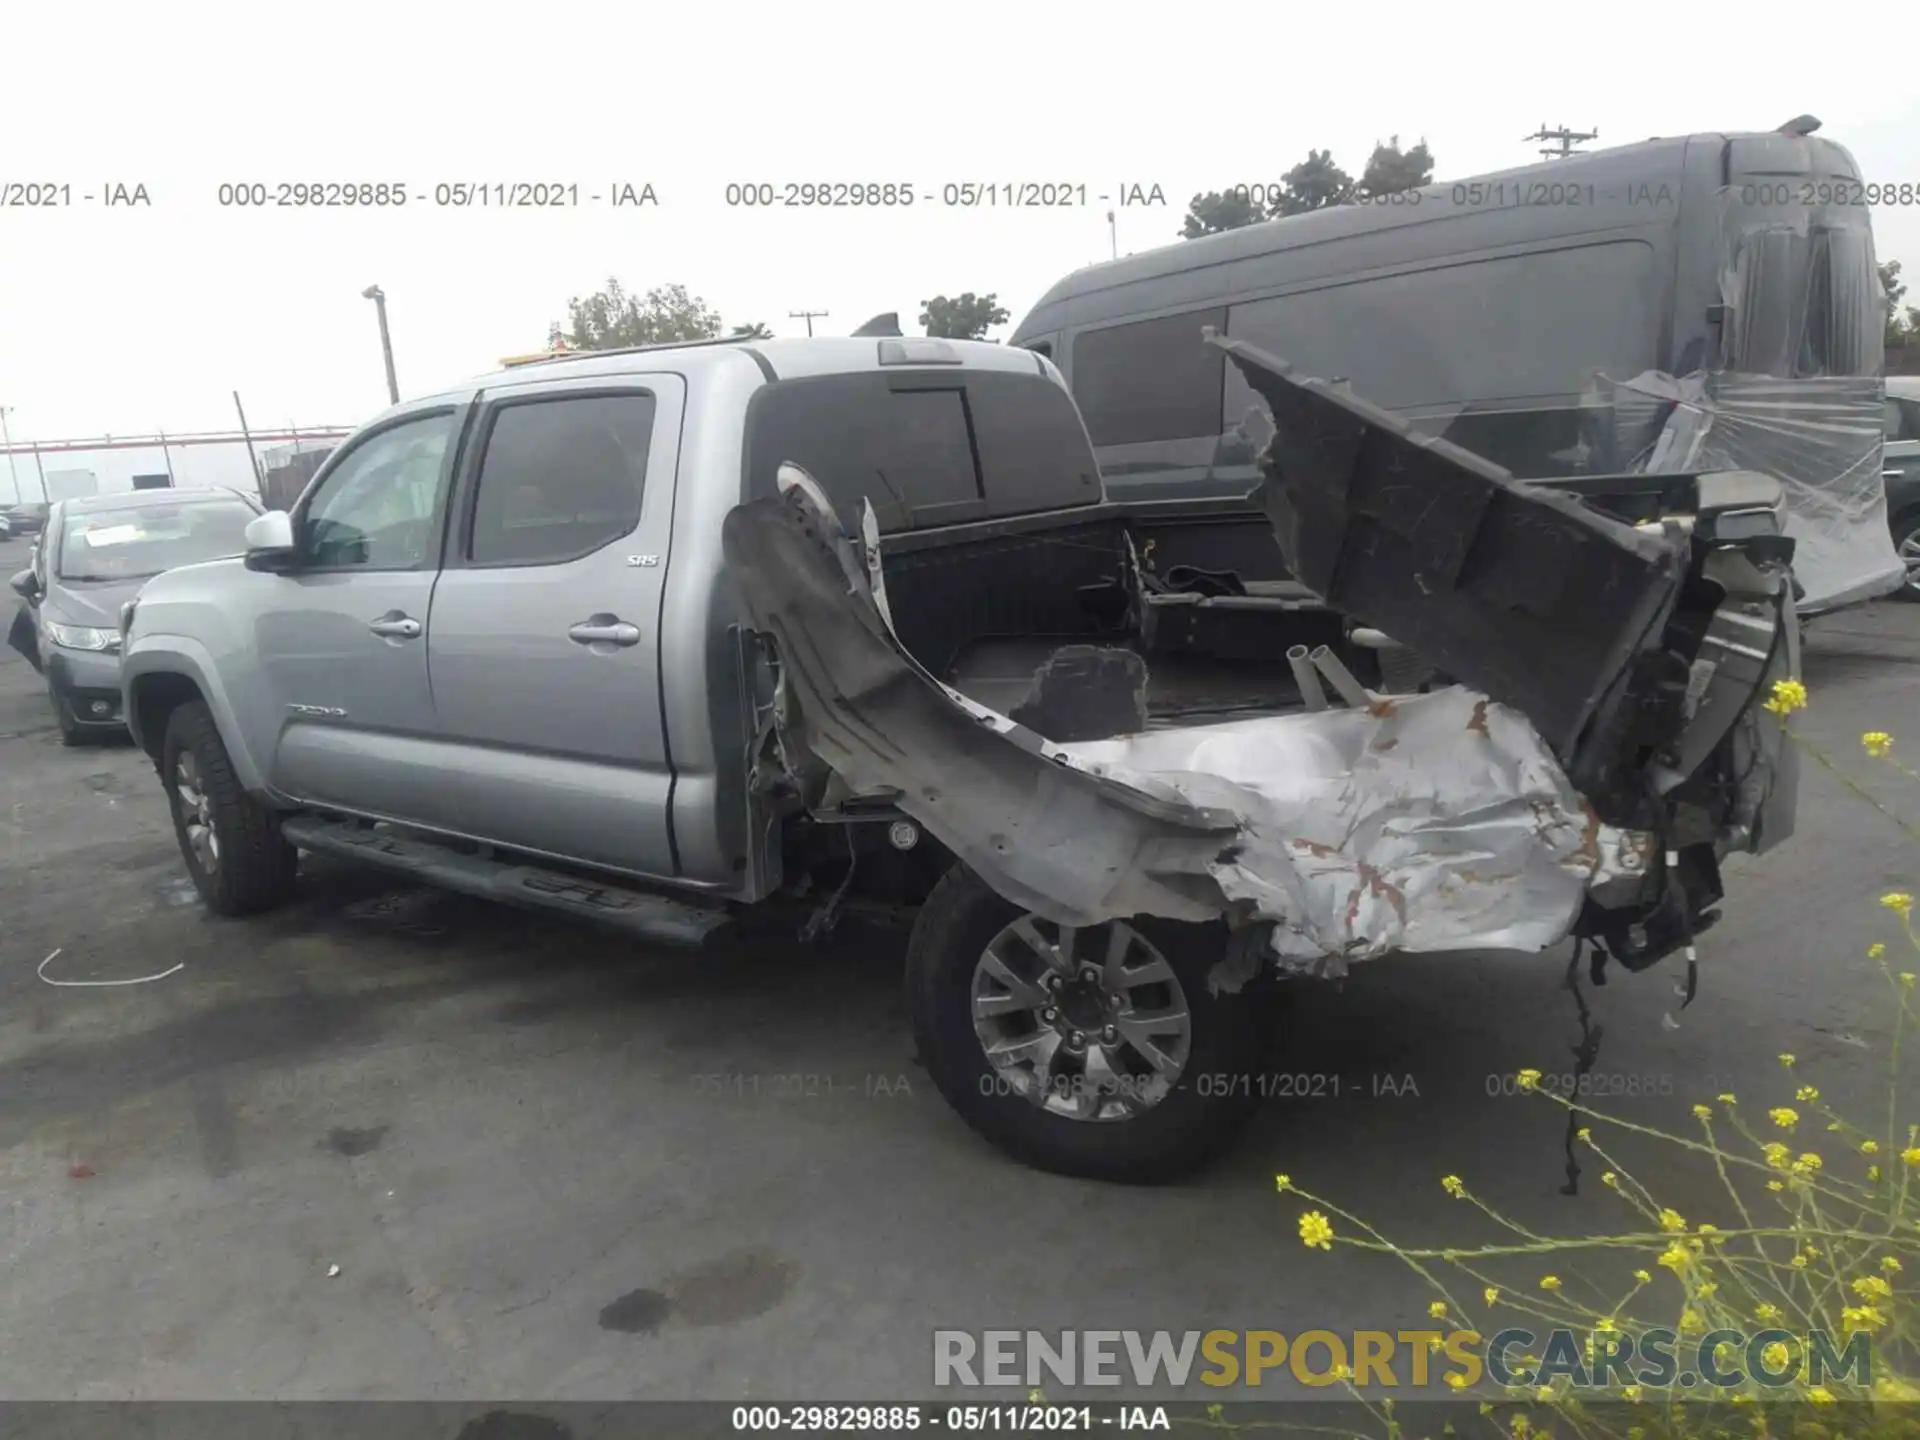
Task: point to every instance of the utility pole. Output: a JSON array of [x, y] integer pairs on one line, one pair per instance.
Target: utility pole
[[809, 316], [1113, 236], [1562, 140], [259, 475], [379, 299], [6, 410]]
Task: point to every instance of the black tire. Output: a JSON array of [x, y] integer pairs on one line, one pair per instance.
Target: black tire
[[1906, 532], [71, 734], [1193, 1124], [253, 867]]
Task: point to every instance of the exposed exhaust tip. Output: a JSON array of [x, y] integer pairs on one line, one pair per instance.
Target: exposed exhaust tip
[[1312, 694], [1341, 678]]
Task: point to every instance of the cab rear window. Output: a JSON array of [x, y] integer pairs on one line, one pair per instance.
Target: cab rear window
[[932, 446]]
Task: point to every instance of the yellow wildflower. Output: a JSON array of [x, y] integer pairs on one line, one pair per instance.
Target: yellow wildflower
[[1673, 1222], [1863, 1317], [1788, 696], [1703, 1112], [1873, 1172], [1820, 1395], [1676, 1257], [1457, 1379], [1907, 978], [1605, 1326], [1784, 1116], [1898, 901], [1527, 1079], [1610, 1180], [1765, 1311], [1869, 1147], [1912, 1156], [1776, 1356], [1807, 1164], [1583, 1133], [1775, 1185], [1806, 1094], [1890, 1265], [1876, 950], [1799, 1262], [1438, 1309], [1490, 1295], [1871, 1287], [1787, 1060], [1631, 1392], [1725, 1097], [1283, 1183], [1690, 1321], [1315, 1230], [1549, 1282], [1877, 743], [1776, 1154], [1453, 1185], [1643, 1277]]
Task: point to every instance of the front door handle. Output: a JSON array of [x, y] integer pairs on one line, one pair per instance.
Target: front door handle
[[604, 630], [396, 627]]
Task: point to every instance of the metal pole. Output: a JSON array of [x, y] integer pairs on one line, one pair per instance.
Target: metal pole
[[41, 466], [167, 455], [1113, 235], [809, 316], [259, 475], [6, 410], [379, 298]]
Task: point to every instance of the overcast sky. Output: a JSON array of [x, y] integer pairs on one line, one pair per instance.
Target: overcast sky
[[131, 320]]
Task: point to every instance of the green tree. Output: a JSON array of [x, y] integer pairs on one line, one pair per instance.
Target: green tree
[[612, 319], [962, 317], [1899, 331], [1216, 212], [1391, 170], [755, 331], [1314, 184]]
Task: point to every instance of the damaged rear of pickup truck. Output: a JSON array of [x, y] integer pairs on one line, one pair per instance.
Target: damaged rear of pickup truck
[[1543, 715], [653, 637]]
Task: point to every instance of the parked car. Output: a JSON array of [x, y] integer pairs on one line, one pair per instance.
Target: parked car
[[649, 637], [1901, 470], [97, 552], [27, 518]]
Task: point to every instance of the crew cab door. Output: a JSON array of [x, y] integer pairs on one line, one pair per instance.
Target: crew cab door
[[341, 638], [543, 649]]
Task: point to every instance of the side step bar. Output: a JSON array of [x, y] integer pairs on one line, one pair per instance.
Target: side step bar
[[653, 917]]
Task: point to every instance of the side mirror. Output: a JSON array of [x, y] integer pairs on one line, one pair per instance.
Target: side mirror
[[270, 541], [25, 585]]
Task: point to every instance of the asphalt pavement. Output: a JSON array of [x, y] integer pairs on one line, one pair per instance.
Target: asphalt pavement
[[391, 1143]]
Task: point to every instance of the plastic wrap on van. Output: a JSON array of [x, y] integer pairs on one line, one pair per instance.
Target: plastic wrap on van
[[1821, 438], [1798, 394]]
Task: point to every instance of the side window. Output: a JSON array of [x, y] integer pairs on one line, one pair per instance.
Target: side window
[[1151, 380], [378, 509], [560, 478]]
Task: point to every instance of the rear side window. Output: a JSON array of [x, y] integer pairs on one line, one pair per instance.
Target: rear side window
[[1151, 380], [925, 447], [560, 478]]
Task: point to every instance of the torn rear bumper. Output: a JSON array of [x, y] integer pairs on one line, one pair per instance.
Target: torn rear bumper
[[1601, 751]]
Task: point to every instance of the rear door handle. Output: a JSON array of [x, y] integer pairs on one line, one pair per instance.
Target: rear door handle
[[397, 627], [604, 630]]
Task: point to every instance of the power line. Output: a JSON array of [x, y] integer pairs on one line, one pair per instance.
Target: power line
[[809, 316], [1563, 140]]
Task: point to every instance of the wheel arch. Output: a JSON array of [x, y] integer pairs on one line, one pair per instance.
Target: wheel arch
[[158, 682]]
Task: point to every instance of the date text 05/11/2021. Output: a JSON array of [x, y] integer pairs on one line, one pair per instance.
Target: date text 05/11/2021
[[884, 1419]]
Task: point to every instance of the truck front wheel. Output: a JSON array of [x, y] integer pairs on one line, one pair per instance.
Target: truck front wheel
[[235, 854], [1100, 1053]]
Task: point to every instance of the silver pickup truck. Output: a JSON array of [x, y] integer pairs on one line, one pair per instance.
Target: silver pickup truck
[[646, 637]]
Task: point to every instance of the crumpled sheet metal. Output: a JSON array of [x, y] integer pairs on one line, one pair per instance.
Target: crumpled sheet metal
[[1820, 437], [1426, 823]]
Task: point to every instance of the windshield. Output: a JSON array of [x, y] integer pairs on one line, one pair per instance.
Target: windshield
[[143, 540]]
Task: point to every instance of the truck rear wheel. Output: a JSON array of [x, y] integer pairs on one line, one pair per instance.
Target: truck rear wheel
[[232, 844], [1099, 1053]]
